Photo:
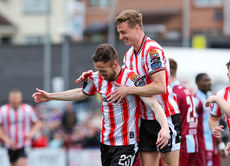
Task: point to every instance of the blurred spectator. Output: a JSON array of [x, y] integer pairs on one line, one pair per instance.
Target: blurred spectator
[[58, 139], [82, 109], [77, 139], [55, 120], [69, 118], [92, 132]]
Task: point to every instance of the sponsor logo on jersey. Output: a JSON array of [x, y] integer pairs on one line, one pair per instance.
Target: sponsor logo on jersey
[[138, 80], [153, 52], [84, 84], [131, 134], [156, 62], [106, 100]]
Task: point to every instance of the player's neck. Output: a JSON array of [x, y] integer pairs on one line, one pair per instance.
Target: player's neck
[[172, 79], [137, 45], [204, 91], [118, 71], [15, 106]]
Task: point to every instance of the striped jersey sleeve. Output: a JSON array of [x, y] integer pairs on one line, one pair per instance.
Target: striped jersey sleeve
[[154, 60], [32, 115], [89, 86], [214, 109]]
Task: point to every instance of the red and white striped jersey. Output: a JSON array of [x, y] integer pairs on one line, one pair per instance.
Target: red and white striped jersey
[[120, 123], [215, 110], [17, 123], [148, 60]]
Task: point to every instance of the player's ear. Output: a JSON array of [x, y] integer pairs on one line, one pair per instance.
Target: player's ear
[[116, 64]]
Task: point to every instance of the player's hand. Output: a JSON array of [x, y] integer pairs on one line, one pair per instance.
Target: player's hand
[[217, 131], [211, 99], [83, 76], [163, 138], [28, 136], [11, 143], [228, 148], [117, 95], [40, 96]]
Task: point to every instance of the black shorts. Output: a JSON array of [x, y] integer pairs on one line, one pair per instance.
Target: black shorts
[[149, 131], [16, 154], [118, 155]]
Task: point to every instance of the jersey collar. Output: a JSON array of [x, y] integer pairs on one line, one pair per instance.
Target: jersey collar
[[140, 48]]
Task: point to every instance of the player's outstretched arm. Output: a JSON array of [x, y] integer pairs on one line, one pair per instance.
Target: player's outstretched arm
[[222, 104], [163, 135], [69, 95], [83, 76], [214, 126]]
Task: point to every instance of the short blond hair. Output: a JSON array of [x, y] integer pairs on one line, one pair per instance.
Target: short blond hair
[[132, 17]]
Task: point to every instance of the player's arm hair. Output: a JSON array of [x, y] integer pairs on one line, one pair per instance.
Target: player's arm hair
[[157, 109], [213, 122], [157, 87], [69, 95]]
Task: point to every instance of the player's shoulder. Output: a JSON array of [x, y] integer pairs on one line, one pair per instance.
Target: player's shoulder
[[26, 105], [94, 75], [4, 107], [222, 91], [152, 45]]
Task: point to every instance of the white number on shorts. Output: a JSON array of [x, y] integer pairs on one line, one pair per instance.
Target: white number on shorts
[[190, 118], [125, 160]]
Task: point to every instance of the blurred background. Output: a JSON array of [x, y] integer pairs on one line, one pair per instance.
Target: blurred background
[[47, 44]]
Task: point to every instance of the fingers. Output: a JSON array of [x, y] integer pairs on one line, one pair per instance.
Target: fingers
[[79, 80], [228, 148], [83, 76], [111, 94], [162, 139], [217, 131], [207, 104], [117, 84]]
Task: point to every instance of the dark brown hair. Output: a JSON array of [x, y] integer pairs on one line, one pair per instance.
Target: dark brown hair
[[105, 53]]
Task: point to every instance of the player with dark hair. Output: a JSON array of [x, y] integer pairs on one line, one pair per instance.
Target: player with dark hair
[[120, 121], [208, 154], [147, 58]]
